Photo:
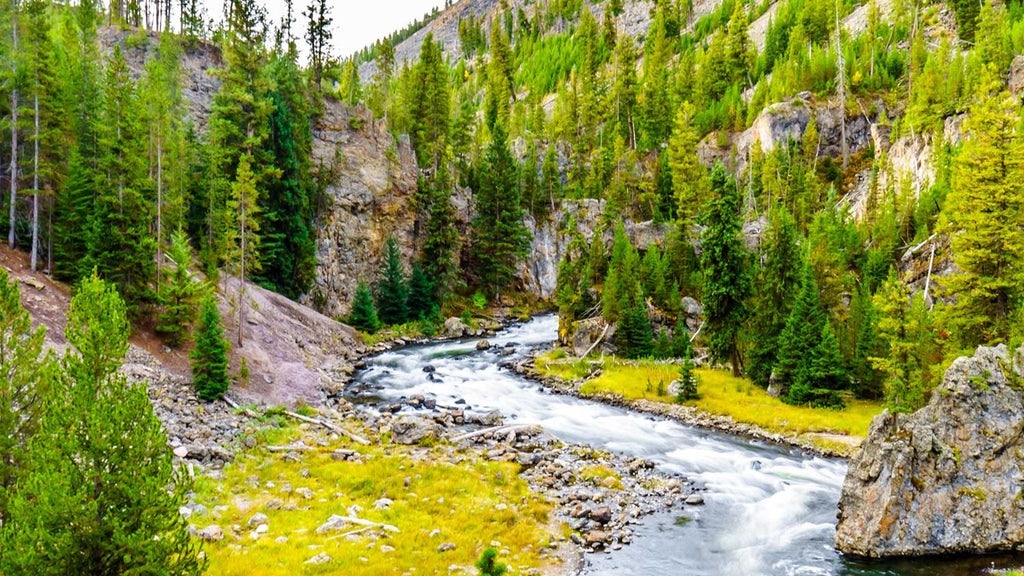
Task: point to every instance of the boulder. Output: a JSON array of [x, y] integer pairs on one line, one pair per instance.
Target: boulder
[[454, 328], [483, 345], [212, 533], [414, 429], [586, 332], [257, 519], [947, 478]]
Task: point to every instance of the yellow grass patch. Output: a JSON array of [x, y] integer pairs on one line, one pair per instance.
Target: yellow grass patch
[[722, 394], [470, 502]]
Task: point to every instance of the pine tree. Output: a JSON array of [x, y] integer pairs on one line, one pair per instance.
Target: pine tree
[[287, 249], [682, 349], [392, 293], [488, 564], [654, 98], [620, 286], [430, 107], [982, 217], [902, 329], [23, 382], [318, 37], [364, 314], [244, 234], [41, 66], [633, 334], [662, 345], [442, 244], [499, 237], [95, 499], [724, 263], [689, 178], [178, 295], [121, 245], [777, 281], [210, 355], [500, 89], [421, 293], [808, 359], [681, 346]]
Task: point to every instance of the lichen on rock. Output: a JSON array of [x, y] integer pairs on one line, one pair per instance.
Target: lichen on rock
[[948, 478]]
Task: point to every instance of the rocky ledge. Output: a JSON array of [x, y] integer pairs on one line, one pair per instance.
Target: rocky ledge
[[948, 478]]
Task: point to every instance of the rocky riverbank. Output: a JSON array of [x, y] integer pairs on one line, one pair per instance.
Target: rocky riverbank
[[599, 494], [685, 414]]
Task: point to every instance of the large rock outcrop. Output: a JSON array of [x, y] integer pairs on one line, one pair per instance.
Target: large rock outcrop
[[948, 478]]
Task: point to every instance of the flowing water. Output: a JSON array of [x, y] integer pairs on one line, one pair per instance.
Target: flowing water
[[768, 511]]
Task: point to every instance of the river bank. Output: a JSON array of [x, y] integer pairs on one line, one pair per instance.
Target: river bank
[[824, 444]]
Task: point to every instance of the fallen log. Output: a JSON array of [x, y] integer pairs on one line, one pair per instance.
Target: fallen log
[[329, 426], [502, 429]]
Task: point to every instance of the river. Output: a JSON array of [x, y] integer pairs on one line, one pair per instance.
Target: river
[[769, 510]]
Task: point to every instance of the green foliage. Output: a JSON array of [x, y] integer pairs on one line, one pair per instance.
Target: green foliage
[[903, 329], [662, 345], [24, 377], [94, 498], [287, 236], [777, 281], [364, 313], [621, 287], [688, 382], [982, 216], [421, 293], [391, 291], [724, 261], [808, 360], [179, 293], [499, 238], [488, 565], [210, 355], [633, 333], [430, 109]]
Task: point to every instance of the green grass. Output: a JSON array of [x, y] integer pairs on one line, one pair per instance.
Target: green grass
[[408, 331], [458, 497], [721, 394]]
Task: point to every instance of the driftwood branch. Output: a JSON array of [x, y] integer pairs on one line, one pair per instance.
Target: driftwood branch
[[307, 419], [596, 342], [290, 448], [329, 426], [351, 532], [506, 428], [928, 280], [367, 523], [698, 331]]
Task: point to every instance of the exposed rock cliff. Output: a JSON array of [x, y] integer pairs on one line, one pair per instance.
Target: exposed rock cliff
[[948, 478], [370, 198], [782, 122]]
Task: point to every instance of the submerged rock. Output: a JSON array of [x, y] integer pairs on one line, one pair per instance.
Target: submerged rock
[[947, 478]]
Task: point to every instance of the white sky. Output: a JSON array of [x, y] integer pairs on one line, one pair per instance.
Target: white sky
[[357, 23]]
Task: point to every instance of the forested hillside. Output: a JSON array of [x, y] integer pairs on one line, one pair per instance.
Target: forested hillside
[[835, 183]]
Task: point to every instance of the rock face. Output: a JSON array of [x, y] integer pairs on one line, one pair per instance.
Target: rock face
[[948, 478], [371, 198]]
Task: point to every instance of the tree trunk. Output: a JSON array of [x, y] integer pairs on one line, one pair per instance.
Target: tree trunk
[[12, 238], [35, 180], [159, 203], [842, 89]]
